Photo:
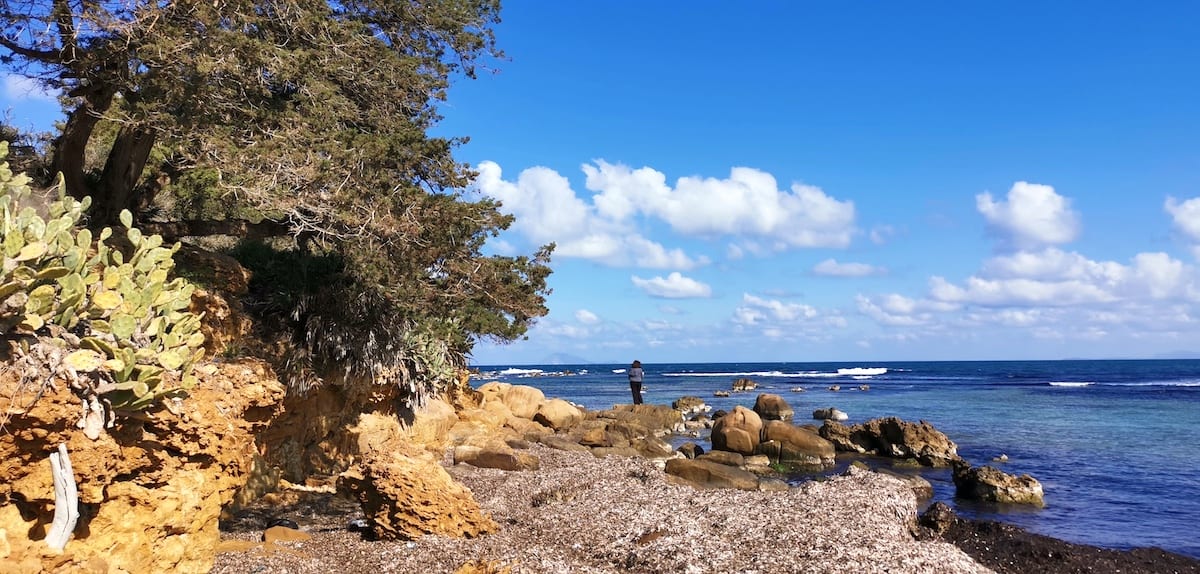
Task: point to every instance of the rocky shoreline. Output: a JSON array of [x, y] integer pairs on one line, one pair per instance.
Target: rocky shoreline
[[580, 513], [557, 489]]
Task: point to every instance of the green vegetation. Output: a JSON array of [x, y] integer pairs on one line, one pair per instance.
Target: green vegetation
[[299, 132], [100, 314]]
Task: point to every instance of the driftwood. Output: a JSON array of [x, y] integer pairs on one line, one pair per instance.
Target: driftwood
[[66, 500]]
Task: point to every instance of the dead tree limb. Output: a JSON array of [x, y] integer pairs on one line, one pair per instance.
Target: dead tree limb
[[66, 499]]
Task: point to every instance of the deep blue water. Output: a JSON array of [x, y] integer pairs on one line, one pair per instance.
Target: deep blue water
[[1114, 443]]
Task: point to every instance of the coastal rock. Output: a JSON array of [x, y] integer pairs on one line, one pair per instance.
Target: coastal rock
[[558, 414], [830, 414], [653, 417], [596, 436], [744, 385], [493, 391], [720, 393], [991, 484], [843, 439], [652, 447], [739, 431], [690, 450], [723, 457], [403, 490], [495, 455], [151, 491], [796, 444], [896, 438], [938, 518], [688, 405], [524, 401], [773, 408], [560, 442], [527, 429], [431, 424], [708, 474]]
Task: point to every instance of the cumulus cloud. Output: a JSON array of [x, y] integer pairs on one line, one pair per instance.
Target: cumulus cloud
[[674, 286], [18, 88], [1032, 216], [548, 210], [748, 203], [756, 310], [1186, 216], [586, 317], [832, 268]]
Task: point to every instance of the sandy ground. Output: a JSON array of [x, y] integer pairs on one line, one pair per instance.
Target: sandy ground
[[579, 513]]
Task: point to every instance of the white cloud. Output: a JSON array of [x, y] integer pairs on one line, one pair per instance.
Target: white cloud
[[18, 88], [548, 210], [586, 317], [832, 268], [1186, 216], [756, 310], [674, 286], [1056, 278], [748, 203], [1033, 215], [892, 310]]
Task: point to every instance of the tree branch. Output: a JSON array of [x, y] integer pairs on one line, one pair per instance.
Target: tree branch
[[204, 228], [48, 56], [66, 499]]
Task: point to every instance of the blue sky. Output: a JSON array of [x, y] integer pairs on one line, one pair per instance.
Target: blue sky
[[787, 181]]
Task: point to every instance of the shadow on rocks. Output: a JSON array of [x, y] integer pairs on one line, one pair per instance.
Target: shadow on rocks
[[1008, 549]]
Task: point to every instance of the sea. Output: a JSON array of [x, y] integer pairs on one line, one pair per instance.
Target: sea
[[1115, 444]]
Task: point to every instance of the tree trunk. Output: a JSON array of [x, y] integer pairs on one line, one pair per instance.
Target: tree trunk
[[71, 146], [122, 170]]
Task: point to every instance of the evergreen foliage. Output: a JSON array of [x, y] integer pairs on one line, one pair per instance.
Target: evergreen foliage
[[299, 128]]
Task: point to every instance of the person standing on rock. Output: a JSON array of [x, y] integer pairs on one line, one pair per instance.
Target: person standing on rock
[[635, 381]]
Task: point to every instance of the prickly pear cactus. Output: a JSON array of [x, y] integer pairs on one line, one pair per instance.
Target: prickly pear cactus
[[108, 321]]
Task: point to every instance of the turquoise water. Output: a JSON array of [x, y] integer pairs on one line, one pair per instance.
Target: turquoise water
[[1112, 442]]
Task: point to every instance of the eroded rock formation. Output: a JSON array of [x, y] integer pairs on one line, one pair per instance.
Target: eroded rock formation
[[151, 491]]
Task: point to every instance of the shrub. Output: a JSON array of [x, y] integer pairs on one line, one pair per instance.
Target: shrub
[[99, 314]]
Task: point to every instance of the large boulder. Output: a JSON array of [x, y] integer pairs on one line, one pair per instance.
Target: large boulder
[[739, 431], [558, 414], [493, 391], [431, 424], [773, 408], [723, 457], [404, 491], [896, 438], [708, 474], [653, 417], [796, 444], [991, 484], [524, 400]]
